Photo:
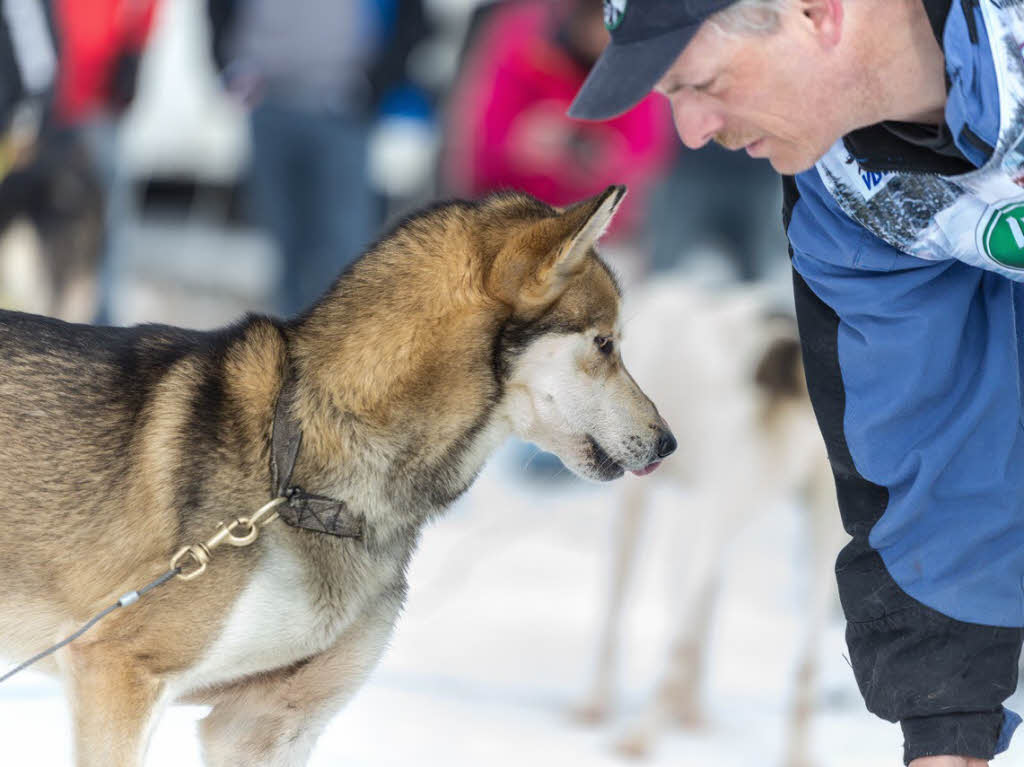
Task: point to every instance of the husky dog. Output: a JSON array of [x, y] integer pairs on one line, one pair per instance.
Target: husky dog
[[469, 322], [728, 366], [51, 232]]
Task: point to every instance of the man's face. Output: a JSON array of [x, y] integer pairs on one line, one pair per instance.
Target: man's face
[[758, 92]]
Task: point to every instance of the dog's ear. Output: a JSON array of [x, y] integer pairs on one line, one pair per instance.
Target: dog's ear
[[534, 271]]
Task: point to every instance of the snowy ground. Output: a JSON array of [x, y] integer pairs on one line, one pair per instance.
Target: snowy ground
[[497, 641]]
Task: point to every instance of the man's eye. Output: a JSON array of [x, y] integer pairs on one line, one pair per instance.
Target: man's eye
[[604, 344]]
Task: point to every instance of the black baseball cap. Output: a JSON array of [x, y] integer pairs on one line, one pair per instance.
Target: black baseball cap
[[647, 37]]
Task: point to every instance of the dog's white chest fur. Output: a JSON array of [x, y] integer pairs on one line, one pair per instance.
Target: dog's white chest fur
[[272, 624]]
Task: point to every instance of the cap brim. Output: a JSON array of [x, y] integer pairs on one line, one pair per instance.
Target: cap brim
[[626, 72]]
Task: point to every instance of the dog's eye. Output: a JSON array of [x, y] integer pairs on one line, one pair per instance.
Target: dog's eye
[[604, 344]]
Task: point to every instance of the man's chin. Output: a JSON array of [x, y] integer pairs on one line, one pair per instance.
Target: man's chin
[[790, 163], [787, 167]]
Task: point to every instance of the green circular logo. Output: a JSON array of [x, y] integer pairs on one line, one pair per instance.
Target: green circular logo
[[1003, 238], [614, 11]]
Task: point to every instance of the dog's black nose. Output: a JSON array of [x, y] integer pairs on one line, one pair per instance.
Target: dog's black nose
[[666, 444]]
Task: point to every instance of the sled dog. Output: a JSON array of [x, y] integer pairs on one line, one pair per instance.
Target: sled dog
[[369, 414]]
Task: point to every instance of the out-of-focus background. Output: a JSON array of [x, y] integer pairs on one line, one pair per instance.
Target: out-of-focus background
[[185, 161]]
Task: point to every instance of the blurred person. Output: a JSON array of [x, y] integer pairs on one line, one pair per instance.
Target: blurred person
[[899, 125], [507, 124], [716, 203], [101, 47], [311, 72]]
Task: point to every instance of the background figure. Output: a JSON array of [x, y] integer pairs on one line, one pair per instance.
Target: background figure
[[101, 46], [307, 71], [721, 204], [507, 126]]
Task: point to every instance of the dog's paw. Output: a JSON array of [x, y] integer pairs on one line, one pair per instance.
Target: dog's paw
[[634, 744], [689, 715], [590, 712], [799, 761]]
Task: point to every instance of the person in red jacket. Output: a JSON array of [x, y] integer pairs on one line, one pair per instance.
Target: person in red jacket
[[507, 126], [100, 45]]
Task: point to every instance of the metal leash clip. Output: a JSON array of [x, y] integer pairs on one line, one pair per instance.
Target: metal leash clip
[[200, 553]]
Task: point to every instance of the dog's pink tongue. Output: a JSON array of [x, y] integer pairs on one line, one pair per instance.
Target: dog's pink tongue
[[645, 471]]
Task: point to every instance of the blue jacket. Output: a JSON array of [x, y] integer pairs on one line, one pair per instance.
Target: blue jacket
[[916, 369]]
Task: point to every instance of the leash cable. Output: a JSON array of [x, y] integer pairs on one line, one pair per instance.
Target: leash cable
[[128, 599], [199, 554], [190, 561]]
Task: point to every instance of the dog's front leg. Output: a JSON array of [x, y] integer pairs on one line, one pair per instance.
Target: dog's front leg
[[275, 719], [717, 512], [826, 539], [597, 704], [114, 703]]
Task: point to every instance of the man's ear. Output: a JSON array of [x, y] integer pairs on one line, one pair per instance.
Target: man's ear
[[826, 19], [534, 270]]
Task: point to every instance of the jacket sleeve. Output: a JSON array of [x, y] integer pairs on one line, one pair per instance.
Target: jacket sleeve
[[943, 679]]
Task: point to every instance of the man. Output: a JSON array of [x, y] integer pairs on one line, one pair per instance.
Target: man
[[901, 122]]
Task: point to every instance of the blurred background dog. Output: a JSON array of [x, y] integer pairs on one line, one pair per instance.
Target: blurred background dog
[[727, 366], [51, 231]]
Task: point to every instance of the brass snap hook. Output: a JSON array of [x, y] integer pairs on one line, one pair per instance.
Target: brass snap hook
[[241, 540], [200, 556], [241, 531]]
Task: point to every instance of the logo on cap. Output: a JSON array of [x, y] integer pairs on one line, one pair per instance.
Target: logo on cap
[[614, 10]]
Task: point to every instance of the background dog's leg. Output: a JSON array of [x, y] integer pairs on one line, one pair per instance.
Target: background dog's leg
[[274, 720], [114, 703], [597, 703], [823, 523], [677, 696]]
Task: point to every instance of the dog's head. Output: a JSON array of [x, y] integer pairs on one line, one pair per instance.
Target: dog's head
[[567, 389]]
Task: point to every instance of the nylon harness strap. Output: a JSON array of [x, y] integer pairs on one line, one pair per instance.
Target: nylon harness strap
[[303, 510]]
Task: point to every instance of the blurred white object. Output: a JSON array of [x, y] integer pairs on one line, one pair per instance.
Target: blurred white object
[[182, 122], [403, 151], [23, 282]]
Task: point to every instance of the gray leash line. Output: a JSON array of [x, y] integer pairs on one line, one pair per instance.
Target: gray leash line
[[128, 599], [198, 555], [190, 561]]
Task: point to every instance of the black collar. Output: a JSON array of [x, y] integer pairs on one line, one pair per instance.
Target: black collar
[[303, 510]]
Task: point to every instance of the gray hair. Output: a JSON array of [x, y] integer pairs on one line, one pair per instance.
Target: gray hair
[[750, 17]]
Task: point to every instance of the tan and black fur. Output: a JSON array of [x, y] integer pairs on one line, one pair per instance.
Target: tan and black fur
[[467, 323]]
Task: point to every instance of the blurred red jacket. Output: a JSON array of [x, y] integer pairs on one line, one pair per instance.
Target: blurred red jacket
[[100, 45], [508, 128]]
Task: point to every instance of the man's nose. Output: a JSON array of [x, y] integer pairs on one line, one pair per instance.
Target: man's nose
[[697, 122]]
